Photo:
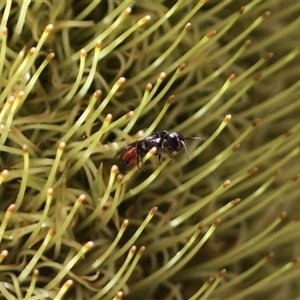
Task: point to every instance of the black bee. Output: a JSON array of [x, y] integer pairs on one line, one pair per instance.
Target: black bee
[[133, 153]]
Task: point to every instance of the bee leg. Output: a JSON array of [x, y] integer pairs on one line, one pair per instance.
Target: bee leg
[[139, 157], [143, 166], [159, 158]]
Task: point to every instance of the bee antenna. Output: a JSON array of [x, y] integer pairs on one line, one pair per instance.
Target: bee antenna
[[189, 138], [194, 138], [185, 149]]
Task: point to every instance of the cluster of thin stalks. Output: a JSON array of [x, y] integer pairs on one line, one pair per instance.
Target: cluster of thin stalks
[[81, 79]]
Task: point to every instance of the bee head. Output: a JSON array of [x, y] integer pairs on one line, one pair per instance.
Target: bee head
[[176, 142]]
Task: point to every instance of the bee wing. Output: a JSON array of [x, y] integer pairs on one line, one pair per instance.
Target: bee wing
[[125, 148], [134, 144]]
